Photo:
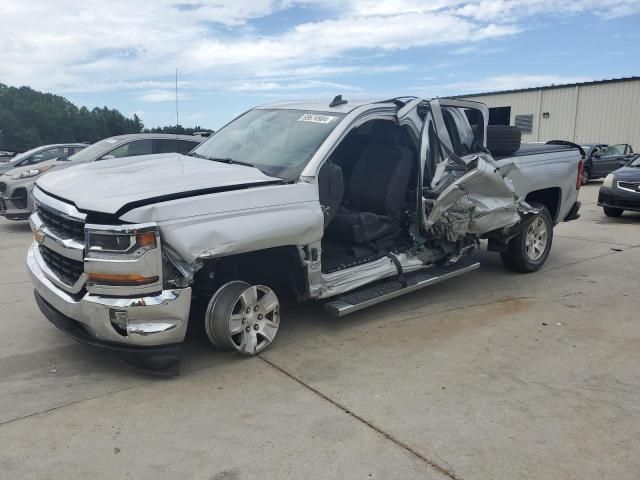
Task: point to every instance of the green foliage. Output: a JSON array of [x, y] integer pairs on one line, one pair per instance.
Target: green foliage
[[30, 118], [180, 130]]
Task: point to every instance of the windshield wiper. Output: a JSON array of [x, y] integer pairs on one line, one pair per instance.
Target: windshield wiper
[[222, 160], [230, 161]]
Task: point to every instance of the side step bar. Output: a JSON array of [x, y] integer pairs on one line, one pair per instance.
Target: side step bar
[[363, 298]]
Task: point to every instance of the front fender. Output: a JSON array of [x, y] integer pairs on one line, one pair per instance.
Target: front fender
[[236, 222]]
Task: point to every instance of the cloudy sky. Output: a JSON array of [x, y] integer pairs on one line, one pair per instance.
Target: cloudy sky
[[232, 54]]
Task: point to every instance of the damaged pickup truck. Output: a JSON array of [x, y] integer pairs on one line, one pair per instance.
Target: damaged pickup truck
[[349, 203]]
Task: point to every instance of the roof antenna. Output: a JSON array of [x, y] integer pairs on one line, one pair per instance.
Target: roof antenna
[[337, 101], [177, 113]]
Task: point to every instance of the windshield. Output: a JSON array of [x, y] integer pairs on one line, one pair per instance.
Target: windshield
[[278, 142], [95, 151], [24, 155], [635, 162]]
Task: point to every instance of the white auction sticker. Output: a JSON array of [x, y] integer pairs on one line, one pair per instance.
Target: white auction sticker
[[315, 118], [110, 140]]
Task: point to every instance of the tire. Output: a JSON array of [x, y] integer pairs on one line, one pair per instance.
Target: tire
[[242, 317], [528, 251], [613, 212], [586, 175], [503, 140]]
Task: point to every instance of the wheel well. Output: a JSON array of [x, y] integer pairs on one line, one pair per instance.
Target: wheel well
[[549, 197], [279, 268]]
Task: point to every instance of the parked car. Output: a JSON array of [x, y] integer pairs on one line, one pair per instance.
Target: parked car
[[620, 190], [606, 160], [348, 203], [16, 202], [42, 154], [590, 149]]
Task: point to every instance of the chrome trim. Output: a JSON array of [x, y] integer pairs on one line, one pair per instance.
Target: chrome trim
[[628, 189], [159, 319], [62, 208], [50, 274], [67, 247], [339, 308]]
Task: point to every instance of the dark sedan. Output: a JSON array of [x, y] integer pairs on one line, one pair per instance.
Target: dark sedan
[[603, 161], [620, 190]]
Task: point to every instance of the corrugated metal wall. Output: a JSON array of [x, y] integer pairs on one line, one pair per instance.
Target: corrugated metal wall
[[606, 112]]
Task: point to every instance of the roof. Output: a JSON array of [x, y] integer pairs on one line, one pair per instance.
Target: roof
[[323, 105], [70, 144], [137, 136], [550, 87]]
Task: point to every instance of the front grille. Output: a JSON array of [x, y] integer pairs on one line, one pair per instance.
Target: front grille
[[634, 186], [62, 225], [67, 270], [3, 187]]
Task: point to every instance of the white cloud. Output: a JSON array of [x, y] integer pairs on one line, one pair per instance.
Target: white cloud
[[498, 83], [162, 96], [95, 46]]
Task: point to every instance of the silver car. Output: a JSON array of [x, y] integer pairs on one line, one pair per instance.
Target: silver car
[[42, 154], [16, 202]]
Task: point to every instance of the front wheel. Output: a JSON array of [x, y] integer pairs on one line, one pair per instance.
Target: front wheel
[[528, 251], [613, 212], [243, 317], [586, 174]]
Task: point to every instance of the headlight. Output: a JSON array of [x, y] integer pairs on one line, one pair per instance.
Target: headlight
[[608, 181], [31, 173], [122, 256], [120, 245]]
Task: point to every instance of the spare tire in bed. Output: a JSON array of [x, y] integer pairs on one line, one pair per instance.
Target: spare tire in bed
[[503, 140]]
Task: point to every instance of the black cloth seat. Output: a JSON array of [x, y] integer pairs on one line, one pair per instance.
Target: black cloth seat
[[377, 188], [331, 190]]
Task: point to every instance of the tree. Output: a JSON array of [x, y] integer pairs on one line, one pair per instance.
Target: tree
[[30, 118]]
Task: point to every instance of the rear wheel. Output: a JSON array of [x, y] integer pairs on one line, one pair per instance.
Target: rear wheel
[[243, 317], [528, 251], [613, 212]]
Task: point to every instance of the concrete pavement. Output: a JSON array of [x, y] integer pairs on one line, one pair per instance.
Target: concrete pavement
[[493, 375]]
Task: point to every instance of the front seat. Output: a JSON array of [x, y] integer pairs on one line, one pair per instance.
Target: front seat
[[376, 191]]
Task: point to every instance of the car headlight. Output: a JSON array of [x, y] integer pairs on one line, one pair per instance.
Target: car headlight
[[31, 173], [119, 257], [127, 245], [608, 181]]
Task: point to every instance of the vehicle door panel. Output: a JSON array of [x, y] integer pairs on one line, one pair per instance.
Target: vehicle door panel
[[469, 192], [609, 160]]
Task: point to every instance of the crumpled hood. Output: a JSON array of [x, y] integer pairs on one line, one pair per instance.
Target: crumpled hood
[[108, 185]]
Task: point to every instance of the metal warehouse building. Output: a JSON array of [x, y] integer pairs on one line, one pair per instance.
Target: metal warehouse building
[[606, 111]]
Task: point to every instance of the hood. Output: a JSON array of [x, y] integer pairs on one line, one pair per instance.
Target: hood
[[631, 174], [109, 185], [48, 163]]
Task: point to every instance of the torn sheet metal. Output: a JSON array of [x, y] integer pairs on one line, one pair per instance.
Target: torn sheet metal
[[335, 283], [480, 201]]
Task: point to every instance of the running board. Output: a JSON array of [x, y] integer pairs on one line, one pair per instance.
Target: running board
[[381, 292]]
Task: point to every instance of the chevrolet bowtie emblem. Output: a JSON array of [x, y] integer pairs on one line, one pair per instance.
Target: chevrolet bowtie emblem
[[38, 237]]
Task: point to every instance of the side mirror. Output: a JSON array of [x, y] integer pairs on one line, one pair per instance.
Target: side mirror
[[623, 163]]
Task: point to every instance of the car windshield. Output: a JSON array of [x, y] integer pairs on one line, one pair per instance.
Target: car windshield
[[24, 155], [278, 142], [635, 162], [94, 151]]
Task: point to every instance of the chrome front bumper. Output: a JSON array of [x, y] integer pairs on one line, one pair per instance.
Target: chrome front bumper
[[142, 320]]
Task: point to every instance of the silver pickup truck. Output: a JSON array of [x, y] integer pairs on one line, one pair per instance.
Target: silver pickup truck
[[349, 203]]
